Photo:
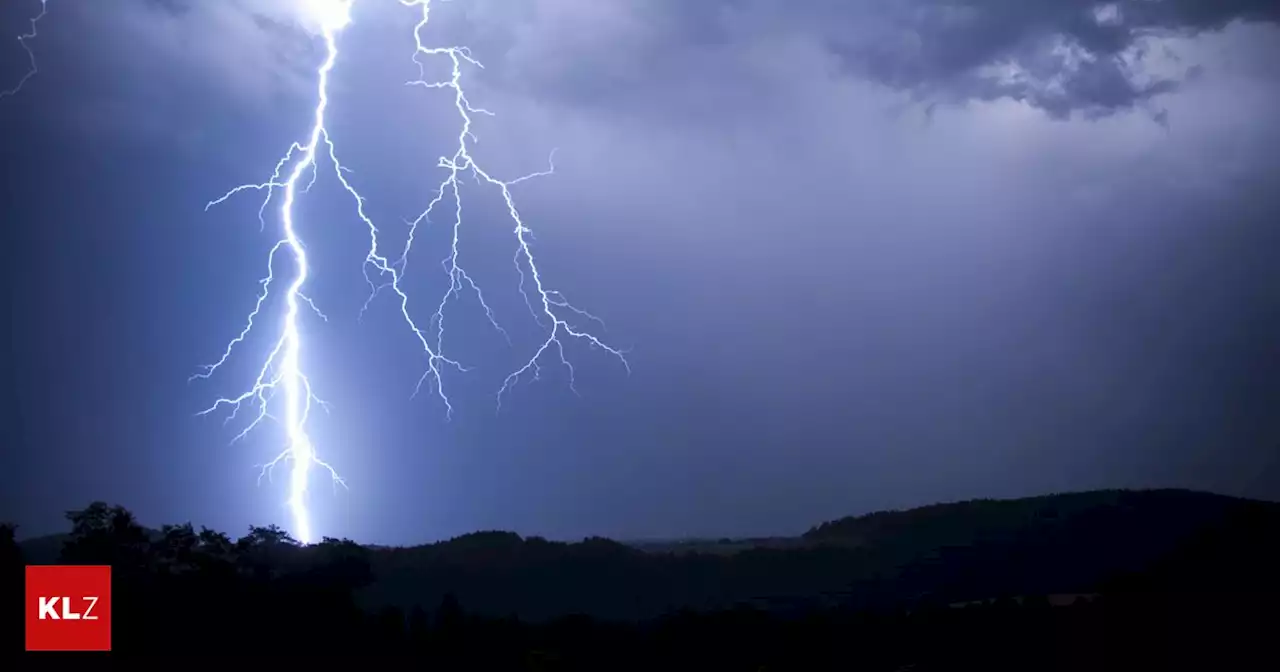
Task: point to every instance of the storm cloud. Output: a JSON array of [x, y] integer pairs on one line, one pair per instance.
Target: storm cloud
[[1064, 57], [1061, 56]]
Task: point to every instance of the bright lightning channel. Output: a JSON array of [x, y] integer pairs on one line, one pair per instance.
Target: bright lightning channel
[[549, 301], [32, 69], [281, 372]]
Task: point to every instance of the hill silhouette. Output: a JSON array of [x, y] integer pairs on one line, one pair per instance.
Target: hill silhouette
[[1162, 546], [1068, 543]]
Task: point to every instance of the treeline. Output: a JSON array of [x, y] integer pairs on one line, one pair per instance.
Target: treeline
[[198, 593]]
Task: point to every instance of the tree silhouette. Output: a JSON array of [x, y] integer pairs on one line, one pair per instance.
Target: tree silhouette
[[107, 535]]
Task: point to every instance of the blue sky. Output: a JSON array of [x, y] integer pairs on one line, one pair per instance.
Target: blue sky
[[860, 257]]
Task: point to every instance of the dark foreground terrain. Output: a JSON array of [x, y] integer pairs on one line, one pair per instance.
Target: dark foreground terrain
[[1129, 580]]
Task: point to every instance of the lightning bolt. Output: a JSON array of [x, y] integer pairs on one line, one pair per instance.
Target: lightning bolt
[[282, 372], [32, 69], [550, 303], [280, 380]]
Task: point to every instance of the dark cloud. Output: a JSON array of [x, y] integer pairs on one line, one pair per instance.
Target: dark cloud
[[1064, 57], [1061, 56]]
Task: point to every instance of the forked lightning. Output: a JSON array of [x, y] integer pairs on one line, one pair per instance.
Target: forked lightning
[[281, 380]]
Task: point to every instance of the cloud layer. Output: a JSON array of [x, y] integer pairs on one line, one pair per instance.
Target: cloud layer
[[1063, 57], [1060, 56]]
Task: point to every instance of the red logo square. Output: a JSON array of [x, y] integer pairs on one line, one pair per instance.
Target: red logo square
[[68, 608]]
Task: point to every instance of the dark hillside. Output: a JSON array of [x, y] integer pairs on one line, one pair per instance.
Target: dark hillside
[[1069, 543]]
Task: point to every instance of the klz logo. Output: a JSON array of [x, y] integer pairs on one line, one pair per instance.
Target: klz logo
[[68, 608], [49, 609]]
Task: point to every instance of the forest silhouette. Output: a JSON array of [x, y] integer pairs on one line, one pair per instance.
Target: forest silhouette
[[1101, 580]]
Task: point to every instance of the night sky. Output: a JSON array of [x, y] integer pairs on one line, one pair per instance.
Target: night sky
[[861, 256]]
